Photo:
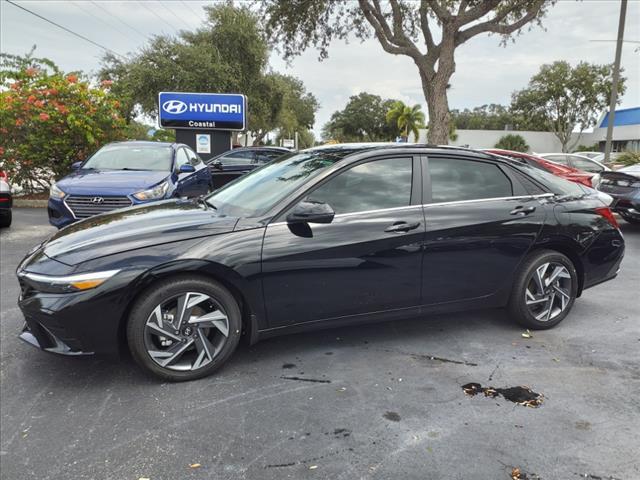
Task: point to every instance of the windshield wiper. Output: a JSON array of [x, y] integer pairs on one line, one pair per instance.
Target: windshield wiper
[[136, 169]]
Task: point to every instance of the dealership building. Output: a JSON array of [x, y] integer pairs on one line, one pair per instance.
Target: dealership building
[[626, 135]]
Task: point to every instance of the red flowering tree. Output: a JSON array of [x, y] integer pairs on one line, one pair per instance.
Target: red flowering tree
[[49, 119]]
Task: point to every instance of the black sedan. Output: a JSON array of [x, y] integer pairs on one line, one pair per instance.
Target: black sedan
[[232, 164], [326, 237], [624, 186]]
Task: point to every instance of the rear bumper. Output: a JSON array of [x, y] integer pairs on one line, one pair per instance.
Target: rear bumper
[[603, 259]]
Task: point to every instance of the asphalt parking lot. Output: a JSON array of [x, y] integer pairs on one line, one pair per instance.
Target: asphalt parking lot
[[377, 401]]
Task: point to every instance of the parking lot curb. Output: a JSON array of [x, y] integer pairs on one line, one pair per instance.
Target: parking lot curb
[[29, 203]]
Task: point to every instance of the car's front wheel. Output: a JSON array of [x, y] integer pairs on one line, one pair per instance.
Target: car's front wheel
[[544, 290], [184, 328]]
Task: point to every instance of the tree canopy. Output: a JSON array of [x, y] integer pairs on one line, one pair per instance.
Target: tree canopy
[[408, 119], [566, 98], [50, 119], [494, 117], [229, 53], [363, 119], [428, 32]]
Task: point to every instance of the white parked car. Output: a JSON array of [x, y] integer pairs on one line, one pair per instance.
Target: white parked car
[[580, 162]]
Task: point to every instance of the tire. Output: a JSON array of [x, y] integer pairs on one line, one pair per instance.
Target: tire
[[5, 219], [180, 349], [542, 308]]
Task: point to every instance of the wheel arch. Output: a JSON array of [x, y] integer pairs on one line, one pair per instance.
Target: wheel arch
[[222, 274], [569, 250]]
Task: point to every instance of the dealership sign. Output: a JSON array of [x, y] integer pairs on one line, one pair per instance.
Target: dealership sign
[[203, 111]]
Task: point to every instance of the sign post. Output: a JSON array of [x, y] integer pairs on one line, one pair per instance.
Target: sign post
[[204, 121]]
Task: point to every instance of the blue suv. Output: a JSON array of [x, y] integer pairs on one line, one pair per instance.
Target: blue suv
[[123, 174]]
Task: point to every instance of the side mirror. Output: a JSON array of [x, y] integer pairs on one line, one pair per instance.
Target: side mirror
[[76, 165], [186, 168], [309, 211], [217, 164]]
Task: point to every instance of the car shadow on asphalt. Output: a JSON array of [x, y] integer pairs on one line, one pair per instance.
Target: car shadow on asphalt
[[431, 333]]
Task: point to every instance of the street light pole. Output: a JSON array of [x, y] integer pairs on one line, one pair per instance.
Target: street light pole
[[616, 78]]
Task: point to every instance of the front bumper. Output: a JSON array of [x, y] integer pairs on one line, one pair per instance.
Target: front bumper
[[77, 323]]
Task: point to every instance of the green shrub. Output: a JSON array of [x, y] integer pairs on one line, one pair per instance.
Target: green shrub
[[512, 142], [628, 158]]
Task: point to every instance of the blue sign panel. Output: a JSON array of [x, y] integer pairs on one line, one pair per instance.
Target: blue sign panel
[[203, 111]]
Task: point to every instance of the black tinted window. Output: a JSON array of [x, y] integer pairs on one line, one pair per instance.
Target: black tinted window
[[369, 186], [454, 180], [242, 157]]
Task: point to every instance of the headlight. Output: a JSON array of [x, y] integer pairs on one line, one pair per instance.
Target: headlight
[[154, 193], [68, 283], [56, 192]]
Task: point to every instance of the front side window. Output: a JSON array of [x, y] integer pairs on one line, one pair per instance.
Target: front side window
[[194, 158], [242, 157], [373, 185], [181, 158], [454, 180]]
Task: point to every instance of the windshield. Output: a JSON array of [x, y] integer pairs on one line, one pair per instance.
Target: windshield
[[131, 157], [256, 193]]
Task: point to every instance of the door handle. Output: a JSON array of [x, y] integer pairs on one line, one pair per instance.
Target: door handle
[[522, 210], [402, 227]]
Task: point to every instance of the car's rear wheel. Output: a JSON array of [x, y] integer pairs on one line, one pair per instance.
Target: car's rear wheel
[[184, 329], [544, 290]]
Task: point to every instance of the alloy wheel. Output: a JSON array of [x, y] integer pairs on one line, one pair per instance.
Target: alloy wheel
[[186, 332], [548, 291]]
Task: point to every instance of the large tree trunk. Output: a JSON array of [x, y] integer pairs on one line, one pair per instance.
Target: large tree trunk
[[434, 87]]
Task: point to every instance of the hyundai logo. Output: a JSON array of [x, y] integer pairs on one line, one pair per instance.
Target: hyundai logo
[[175, 107], [97, 200]]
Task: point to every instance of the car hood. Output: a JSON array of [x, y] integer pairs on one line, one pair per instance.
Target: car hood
[[135, 227], [92, 182]]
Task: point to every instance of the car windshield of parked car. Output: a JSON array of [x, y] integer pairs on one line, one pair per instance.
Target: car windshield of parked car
[[130, 157], [257, 192]]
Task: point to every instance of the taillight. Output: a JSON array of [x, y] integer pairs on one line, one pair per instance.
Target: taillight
[[608, 215]]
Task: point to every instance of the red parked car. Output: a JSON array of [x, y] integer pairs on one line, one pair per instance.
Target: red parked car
[[566, 172]]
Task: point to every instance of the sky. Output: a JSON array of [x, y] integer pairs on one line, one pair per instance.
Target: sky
[[485, 71]]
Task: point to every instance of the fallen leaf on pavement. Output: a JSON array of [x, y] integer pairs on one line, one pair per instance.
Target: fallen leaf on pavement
[[195, 465], [527, 334], [313, 467]]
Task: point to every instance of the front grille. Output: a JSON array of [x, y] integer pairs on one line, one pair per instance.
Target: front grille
[[84, 206]]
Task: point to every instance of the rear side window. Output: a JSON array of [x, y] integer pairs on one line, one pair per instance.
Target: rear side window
[[454, 180], [373, 185], [553, 183], [585, 165]]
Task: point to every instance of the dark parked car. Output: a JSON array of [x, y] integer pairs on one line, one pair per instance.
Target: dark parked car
[[624, 186], [122, 174], [6, 200], [232, 164], [327, 237]]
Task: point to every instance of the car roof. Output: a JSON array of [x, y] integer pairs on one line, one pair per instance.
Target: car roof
[[352, 148]]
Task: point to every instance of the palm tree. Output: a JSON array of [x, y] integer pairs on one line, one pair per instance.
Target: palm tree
[[408, 119]]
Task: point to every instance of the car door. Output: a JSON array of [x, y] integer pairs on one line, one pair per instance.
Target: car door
[[186, 183], [367, 260], [480, 223], [202, 175]]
